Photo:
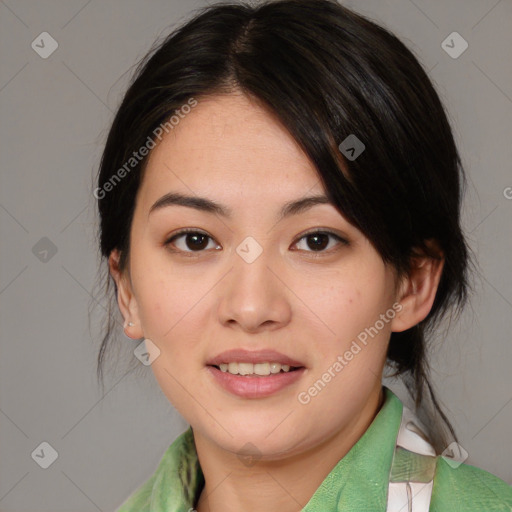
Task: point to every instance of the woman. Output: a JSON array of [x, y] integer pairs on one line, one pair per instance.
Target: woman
[[280, 209]]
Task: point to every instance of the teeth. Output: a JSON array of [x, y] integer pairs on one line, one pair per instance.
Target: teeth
[[275, 367], [245, 368], [253, 369], [262, 369]]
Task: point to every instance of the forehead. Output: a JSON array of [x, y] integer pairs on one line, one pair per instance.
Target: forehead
[[227, 144]]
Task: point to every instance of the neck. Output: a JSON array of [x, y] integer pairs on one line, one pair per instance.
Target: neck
[[284, 485]]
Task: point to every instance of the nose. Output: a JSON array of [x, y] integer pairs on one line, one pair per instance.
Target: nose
[[253, 298]]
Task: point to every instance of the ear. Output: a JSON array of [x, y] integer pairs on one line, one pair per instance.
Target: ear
[[417, 290], [125, 298]]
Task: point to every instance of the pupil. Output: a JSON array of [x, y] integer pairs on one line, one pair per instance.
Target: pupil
[[322, 241], [198, 243]]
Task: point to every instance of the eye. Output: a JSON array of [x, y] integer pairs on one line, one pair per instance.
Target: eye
[[191, 240], [318, 241]]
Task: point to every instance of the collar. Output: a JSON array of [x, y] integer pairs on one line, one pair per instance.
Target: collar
[[359, 481]]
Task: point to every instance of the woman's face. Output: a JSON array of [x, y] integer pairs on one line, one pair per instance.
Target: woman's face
[[252, 280]]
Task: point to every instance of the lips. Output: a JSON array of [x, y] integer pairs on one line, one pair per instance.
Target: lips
[[254, 386]]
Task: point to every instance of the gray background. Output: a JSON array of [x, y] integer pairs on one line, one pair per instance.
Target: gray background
[[55, 114]]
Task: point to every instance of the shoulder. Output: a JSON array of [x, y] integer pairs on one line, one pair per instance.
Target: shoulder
[[140, 500], [147, 495], [464, 488], [175, 482]]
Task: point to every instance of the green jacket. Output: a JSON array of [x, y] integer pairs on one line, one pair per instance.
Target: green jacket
[[359, 482]]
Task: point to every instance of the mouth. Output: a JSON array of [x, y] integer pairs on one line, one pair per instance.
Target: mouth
[[250, 374], [264, 369]]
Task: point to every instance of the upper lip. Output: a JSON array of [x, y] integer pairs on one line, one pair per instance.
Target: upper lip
[[252, 356]]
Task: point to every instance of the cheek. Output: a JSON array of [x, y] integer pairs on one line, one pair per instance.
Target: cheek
[[165, 298], [173, 309], [348, 308], [172, 314], [347, 299]]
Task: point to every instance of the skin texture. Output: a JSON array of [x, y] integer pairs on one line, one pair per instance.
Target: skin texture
[[307, 304]]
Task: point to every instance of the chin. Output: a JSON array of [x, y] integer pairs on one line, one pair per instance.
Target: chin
[[259, 442]]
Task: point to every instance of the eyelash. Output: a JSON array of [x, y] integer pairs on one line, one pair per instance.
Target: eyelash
[[315, 254]]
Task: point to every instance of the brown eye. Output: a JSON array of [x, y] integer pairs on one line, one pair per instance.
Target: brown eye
[[191, 241], [318, 241], [196, 242]]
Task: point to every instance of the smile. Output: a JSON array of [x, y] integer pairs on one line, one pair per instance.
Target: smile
[[254, 374], [237, 368]]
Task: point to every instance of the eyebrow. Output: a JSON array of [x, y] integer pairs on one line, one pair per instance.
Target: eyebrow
[[207, 205]]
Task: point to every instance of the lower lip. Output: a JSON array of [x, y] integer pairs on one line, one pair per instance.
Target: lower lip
[[255, 386]]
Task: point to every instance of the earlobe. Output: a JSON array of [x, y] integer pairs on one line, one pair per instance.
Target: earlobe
[[417, 291], [125, 298]]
